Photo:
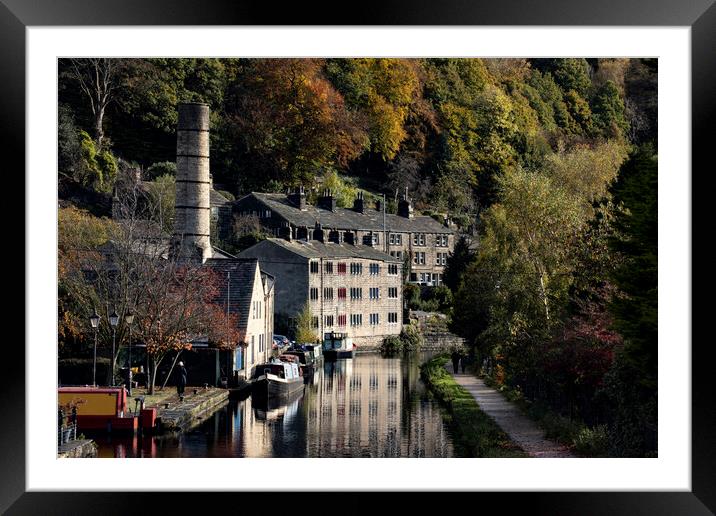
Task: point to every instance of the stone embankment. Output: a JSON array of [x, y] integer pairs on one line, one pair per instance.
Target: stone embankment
[[78, 449], [181, 415], [433, 326]]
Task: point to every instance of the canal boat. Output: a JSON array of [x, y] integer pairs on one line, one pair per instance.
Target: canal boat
[[337, 345], [277, 378], [305, 360], [99, 408]]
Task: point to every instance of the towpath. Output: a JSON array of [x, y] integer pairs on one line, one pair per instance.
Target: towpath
[[519, 427]]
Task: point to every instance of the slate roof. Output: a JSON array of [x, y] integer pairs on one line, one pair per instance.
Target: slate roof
[[241, 282], [316, 249], [346, 218], [216, 199]]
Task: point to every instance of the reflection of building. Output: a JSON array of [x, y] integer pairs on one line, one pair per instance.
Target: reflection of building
[[360, 410]]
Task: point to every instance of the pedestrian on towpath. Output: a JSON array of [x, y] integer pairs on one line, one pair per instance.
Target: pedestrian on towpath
[[455, 361], [181, 382], [463, 362]]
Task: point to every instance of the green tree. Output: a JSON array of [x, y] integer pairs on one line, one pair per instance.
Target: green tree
[[457, 263], [305, 332], [609, 113], [636, 313]]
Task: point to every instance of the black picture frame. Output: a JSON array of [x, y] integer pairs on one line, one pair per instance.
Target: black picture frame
[[700, 15]]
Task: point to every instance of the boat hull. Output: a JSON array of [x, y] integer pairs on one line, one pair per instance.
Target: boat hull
[[335, 354], [270, 388]]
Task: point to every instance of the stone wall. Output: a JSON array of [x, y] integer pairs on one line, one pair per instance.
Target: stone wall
[[366, 333]]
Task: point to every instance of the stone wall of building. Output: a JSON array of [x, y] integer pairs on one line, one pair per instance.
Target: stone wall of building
[[365, 332]]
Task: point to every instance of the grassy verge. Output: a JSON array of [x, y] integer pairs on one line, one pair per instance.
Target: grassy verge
[[475, 434], [583, 440]]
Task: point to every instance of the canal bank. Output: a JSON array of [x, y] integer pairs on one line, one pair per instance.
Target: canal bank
[[368, 406], [475, 434], [175, 415]]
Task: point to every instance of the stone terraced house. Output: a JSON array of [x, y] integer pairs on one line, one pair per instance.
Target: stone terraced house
[[422, 240]]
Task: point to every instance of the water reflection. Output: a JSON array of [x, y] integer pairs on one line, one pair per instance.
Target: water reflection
[[363, 407]]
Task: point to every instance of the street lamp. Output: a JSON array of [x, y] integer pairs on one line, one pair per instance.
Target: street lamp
[[94, 321], [129, 319], [113, 320]]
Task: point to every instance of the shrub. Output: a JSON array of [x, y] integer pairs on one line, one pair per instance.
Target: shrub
[[411, 338], [392, 345], [161, 169], [592, 442]]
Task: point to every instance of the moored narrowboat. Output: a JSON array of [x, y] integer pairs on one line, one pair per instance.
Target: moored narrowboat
[[276, 379], [337, 345]]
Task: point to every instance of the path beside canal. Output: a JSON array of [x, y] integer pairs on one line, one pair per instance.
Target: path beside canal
[[513, 422]]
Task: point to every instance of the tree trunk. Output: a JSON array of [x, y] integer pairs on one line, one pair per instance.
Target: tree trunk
[[98, 130], [543, 290]]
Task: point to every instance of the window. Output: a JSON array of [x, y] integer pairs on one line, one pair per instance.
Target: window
[[395, 239], [328, 267], [375, 293], [393, 269], [393, 292], [441, 259], [314, 267], [356, 268], [256, 305], [329, 320], [374, 269], [371, 239], [356, 293], [328, 293], [374, 319], [341, 268], [441, 240], [418, 239], [392, 317], [341, 293], [342, 320], [356, 319], [397, 254], [314, 293], [314, 322], [419, 258]]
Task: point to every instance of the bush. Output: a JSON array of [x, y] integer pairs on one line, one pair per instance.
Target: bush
[[592, 442], [411, 339], [162, 168], [392, 345]]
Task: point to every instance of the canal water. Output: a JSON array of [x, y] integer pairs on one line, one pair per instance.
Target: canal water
[[367, 406]]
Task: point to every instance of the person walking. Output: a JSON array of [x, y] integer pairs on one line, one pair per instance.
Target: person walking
[[463, 362], [181, 381], [455, 361]]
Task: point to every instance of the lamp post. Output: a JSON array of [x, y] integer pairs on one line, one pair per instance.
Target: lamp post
[[94, 321], [113, 320], [129, 319]]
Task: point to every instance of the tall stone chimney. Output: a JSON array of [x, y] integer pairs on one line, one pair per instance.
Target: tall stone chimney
[[193, 183]]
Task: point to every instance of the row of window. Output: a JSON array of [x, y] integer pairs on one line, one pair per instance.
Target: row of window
[[355, 293], [355, 319], [356, 268], [263, 214], [427, 278], [419, 258]]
